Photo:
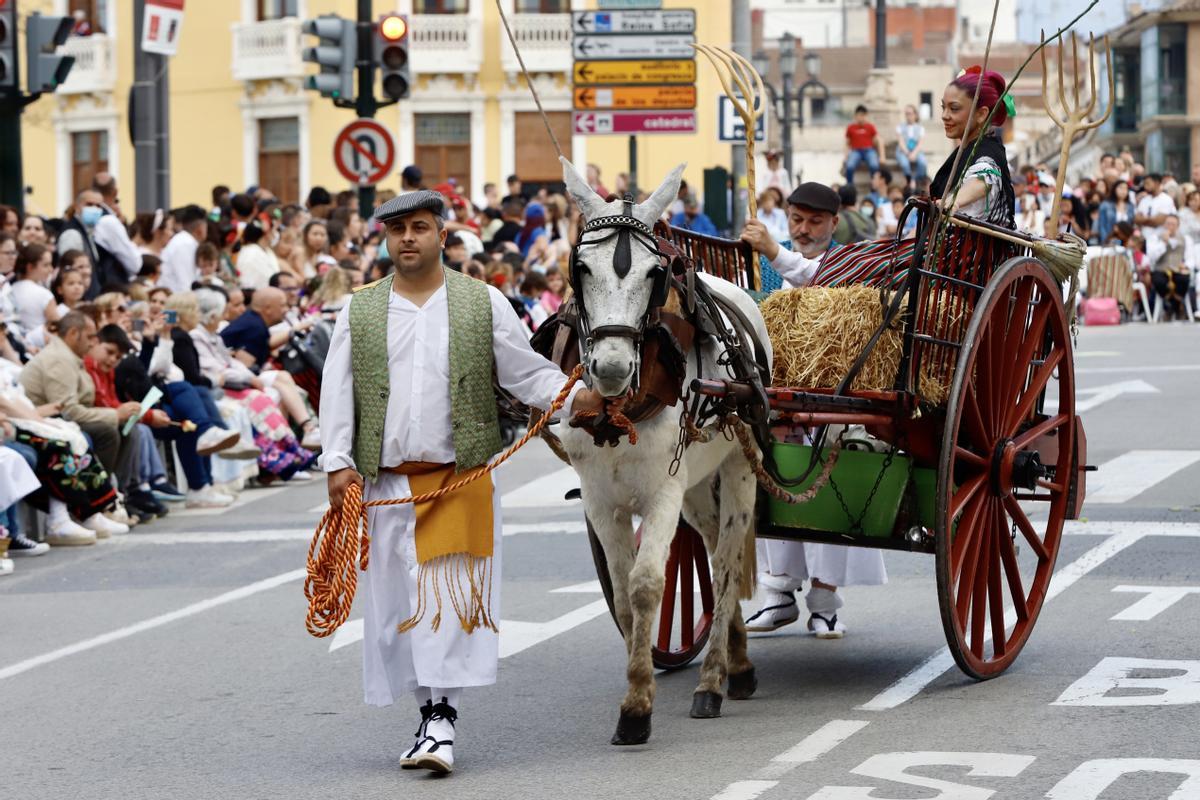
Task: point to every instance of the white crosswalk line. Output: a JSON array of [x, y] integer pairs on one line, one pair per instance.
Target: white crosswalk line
[[1132, 473], [546, 492]]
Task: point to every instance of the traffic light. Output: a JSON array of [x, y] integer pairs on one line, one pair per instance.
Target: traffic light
[[8, 46], [336, 53], [391, 54], [45, 68]]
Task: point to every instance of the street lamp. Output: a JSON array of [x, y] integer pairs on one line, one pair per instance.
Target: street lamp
[[783, 98]]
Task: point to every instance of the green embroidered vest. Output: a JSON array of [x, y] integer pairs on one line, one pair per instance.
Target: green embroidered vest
[[474, 424]]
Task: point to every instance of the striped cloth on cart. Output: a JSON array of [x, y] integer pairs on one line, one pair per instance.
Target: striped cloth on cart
[[866, 263]]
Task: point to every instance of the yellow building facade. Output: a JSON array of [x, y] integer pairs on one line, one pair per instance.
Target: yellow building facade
[[239, 114]]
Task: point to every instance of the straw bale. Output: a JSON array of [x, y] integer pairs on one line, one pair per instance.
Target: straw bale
[[818, 332]]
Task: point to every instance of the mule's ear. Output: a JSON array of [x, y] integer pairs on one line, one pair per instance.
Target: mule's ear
[[652, 210], [591, 204]]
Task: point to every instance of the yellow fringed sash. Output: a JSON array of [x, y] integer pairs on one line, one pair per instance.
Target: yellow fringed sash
[[455, 544]]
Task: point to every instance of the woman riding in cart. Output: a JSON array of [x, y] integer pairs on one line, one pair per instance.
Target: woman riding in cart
[[985, 193]]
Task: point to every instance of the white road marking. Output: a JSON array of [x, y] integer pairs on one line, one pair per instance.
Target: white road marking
[[515, 635], [931, 668], [1181, 687], [545, 492], [1128, 369], [1157, 600], [1089, 780], [149, 624], [1187, 530], [1099, 395], [245, 498], [570, 527], [216, 537], [819, 742], [744, 790], [319, 509], [1096, 353], [587, 587], [1132, 473]]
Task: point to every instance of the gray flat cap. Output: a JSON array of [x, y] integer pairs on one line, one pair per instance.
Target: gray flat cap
[[409, 202]]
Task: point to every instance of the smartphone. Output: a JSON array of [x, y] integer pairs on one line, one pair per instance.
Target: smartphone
[[139, 325], [171, 317]]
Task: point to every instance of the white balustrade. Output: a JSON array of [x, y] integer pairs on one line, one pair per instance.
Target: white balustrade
[[544, 40], [445, 43], [94, 69], [267, 49]]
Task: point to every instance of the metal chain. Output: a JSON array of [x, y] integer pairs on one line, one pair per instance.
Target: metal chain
[[856, 523], [776, 491]]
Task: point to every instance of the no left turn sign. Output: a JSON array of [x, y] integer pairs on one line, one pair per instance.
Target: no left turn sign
[[364, 152]]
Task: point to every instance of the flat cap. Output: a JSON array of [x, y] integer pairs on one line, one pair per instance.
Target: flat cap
[[409, 202], [816, 196]]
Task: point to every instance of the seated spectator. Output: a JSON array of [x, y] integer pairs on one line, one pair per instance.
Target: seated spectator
[[68, 285], [693, 219], [1172, 260], [314, 242], [17, 480], [256, 262], [280, 455], [331, 295], [771, 213], [556, 289], [33, 231], [33, 301], [251, 341], [182, 402], [208, 264], [56, 377]]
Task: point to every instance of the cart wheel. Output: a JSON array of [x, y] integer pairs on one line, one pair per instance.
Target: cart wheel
[[1000, 511], [682, 630]]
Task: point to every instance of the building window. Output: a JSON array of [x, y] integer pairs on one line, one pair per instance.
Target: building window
[[536, 161], [89, 155], [442, 147], [1177, 150], [279, 157], [277, 9], [440, 6], [1172, 69], [543, 6], [1126, 75], [95, 12]]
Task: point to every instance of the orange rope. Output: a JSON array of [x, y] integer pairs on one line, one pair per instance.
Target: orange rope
[[332, 572]]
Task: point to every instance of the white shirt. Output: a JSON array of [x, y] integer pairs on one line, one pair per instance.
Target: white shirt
[[795, 269], [417, 425], [255, 266], [1156, 248], [1160, 203], [179, 262], [110, 234], [30, 300], [776, 221]]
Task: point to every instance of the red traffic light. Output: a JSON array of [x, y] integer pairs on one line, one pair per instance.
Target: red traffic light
[[393, 28]]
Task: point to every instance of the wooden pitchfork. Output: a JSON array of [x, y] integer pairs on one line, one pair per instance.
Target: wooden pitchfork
[[734, 71], [1076, 117]]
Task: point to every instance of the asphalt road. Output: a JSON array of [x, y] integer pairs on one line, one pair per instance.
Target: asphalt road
[[173, 662]]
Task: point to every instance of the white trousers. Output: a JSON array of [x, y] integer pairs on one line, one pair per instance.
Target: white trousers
[[396, 664], [784, 565]]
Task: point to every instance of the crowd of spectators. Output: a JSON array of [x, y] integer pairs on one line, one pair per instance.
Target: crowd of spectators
[[134, 343]]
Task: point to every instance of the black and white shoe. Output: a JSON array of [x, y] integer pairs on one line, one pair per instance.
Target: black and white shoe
[[826, 626], [434, 748], [778, 609], [21, 546]]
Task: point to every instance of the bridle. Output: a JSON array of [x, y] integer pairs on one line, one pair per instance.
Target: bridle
[[626, 228]]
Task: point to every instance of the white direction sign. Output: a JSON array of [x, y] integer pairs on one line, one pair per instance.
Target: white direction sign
[[730, 127], [633, 46], [680, 20]]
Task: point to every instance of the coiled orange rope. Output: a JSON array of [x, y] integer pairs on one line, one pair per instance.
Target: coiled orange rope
[[332, 572]]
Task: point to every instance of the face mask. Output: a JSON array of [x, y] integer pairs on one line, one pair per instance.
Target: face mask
[[91, 215]]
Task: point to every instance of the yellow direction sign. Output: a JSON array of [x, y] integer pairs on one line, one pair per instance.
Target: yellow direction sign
[[635, 97], [675, 70]]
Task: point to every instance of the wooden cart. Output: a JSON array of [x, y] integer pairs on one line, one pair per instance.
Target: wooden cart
[[984, 481]]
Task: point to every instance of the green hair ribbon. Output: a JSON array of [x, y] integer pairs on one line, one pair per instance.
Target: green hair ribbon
[[1009, 105]]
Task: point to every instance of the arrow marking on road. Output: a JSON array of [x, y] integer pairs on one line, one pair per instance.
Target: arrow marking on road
[[1132, 473], [1099, 395]]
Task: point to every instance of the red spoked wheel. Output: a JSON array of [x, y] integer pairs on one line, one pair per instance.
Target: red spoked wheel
[[683, 623], [1000, 510]]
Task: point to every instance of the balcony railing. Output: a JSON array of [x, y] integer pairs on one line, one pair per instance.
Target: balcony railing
[[267, 49], [445, 43], [545, 42], [94, 69]]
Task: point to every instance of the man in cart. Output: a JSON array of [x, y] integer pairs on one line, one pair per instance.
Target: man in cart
[[784, 566]]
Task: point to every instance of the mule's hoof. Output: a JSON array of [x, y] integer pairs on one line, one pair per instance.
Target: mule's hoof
[[742, 685], [706, 705], [632, 729]]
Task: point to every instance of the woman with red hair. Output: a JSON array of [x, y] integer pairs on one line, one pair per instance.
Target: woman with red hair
[[986, 192]]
